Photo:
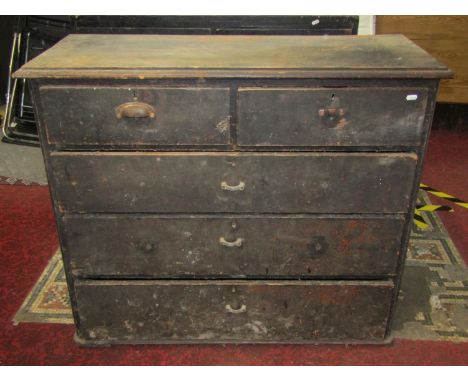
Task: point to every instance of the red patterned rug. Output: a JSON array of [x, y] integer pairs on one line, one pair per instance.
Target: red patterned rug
[[8, 180]]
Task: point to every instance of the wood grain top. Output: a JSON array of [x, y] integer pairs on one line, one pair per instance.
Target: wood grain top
[[157, 56]]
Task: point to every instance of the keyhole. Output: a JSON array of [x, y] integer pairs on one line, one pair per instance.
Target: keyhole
[[148, 247]]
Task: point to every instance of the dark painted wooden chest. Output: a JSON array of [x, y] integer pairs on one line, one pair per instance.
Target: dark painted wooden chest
[[233, 188]]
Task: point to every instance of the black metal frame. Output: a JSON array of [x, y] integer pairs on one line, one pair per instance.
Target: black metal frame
[[34, 35]]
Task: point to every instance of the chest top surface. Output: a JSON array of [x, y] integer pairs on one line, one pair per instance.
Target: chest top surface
[[157, 56]]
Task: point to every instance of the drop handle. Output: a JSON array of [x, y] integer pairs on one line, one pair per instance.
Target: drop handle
[[135, 110], [236, 243], [241, 309], [331, 112], [227, 187]]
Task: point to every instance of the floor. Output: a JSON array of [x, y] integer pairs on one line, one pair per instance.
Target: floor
[[24, 162], [446, 169]]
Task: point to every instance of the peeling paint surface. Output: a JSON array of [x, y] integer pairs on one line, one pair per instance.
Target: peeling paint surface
[[223, 125], [275, 310]]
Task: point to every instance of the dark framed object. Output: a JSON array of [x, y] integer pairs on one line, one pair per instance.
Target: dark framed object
[[219, 227]]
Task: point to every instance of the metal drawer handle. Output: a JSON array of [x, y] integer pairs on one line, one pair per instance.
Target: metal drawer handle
[[236, 243], [242, 309], [239, 187], [135, 110], [331, 112]]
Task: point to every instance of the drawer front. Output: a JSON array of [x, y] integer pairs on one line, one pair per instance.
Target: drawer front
[[138, 116], [237, 182], [232, 246], [383, 117], [233, 310]]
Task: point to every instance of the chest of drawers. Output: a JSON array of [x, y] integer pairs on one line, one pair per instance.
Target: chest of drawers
[[233, 188]]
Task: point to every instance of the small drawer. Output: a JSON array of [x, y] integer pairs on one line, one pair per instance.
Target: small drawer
[[232, 246], [232, 311], [233, 182], [374, 117], [135, 116]]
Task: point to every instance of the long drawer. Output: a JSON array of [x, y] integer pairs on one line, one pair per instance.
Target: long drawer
[[135, 116], [232, 246], [380, 117], [240, 311], [233, 182]]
